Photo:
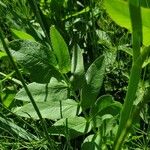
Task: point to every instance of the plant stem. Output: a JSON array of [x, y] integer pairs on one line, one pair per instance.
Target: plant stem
[[25, 87], [127, 111]]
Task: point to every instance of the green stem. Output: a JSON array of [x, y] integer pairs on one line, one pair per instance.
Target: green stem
[[25, 87], [125, 118], [9, 77], [128, 107], [128, 104]]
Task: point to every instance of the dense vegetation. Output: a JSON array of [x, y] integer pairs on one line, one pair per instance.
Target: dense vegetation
[[74, 74]]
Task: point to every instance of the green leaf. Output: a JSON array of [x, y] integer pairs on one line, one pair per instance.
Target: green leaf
[[104, 104], [49, 109], [38, 59], [77, 68], [79, 124], [61, 50], [22, 35], [122, 17], [126, 49], [8, 96], [104, 39], [53, 91], [94, 79], [92, 142], [2, 54], [71, 127], [14, 129], [104, 108], [101, 103]]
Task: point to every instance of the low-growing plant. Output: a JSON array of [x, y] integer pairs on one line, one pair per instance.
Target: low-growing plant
[[63, 96]]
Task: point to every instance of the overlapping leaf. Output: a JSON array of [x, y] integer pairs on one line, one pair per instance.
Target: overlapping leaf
[[14, 129], [49, 109], [38, 59], [61, 50], [53, 91], [77, 68], [73, 127], [94, 79], [22, 35]]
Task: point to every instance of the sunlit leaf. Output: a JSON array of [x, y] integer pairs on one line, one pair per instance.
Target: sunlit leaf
[[53, 91], [61, 50], [122, 17], [22, 35], [49, 109]]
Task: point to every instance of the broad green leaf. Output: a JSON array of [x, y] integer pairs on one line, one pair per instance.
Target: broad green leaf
[[94, 79], [77, 68], [71, 127], [79, 124], [53, 91], [38, 59], [122, 17], [61, 50], [49, 109], [14, 129], [22, 35]]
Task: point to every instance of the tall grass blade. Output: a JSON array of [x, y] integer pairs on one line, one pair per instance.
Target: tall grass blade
[[125, 118]]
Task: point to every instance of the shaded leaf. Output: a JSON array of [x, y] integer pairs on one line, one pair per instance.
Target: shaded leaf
[[104, 108], [77, 68], [14, 129], [92, 142], [103, 105], [38, 59], [94, 79]]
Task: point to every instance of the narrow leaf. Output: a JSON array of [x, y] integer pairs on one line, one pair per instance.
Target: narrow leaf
[[22, 35], [94, 79], [61, 50], [77, 68], [14, 129]]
